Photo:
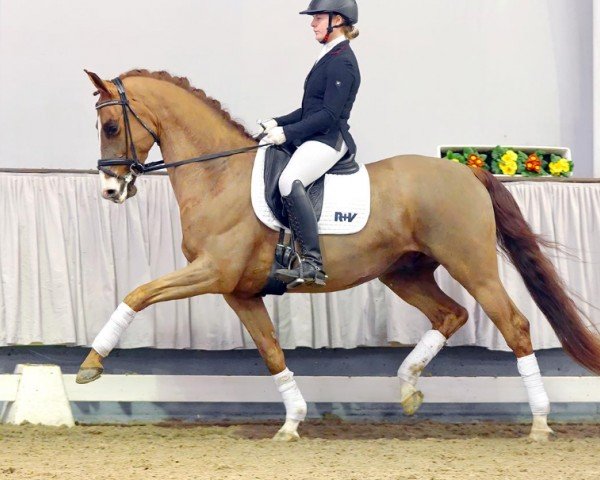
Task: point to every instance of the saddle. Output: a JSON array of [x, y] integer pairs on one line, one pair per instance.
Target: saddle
[[276, 159], [341, 200]]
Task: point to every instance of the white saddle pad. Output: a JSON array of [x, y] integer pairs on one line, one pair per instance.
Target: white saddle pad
[[346, 200]]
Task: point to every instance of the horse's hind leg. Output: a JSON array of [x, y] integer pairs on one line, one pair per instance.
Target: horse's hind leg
[[419, 289], [254, 316], [514, 327], [477, 271]]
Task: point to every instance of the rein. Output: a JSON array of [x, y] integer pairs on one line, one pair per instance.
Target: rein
[[136, 167]]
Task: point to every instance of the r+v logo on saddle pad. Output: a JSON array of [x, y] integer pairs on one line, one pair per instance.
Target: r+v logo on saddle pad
[[344, 217]]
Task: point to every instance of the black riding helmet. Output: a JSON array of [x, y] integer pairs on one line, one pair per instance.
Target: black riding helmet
[[346, 8]]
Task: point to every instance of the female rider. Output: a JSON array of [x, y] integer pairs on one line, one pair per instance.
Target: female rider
[[319, 129]]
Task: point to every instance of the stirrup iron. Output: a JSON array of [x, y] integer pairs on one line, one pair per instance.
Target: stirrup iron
[[294, 277]]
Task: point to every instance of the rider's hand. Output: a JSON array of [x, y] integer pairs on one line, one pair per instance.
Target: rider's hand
[[267, 125], [276, 136]]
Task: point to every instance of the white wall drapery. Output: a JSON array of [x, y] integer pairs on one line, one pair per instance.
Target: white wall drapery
[[67, 258]]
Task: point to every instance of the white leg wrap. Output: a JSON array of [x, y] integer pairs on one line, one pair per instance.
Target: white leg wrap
[[427, 348], [295, 406], [530, 373], [109, 336]]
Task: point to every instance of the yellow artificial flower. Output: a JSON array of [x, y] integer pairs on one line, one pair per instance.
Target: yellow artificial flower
[[455, 160], [558, 167], [509, 156], [508, 163], [508, 168]]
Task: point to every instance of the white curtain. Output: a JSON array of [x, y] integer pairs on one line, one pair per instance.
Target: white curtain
[[67, 258]]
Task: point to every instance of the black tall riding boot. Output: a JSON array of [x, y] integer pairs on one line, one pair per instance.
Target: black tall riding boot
[[303, 223]]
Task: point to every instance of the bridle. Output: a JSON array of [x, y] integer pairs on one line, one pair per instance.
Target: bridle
[[137, 168]]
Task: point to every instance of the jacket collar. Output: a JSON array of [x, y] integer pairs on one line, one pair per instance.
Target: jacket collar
[[328, 47], [332, 53]]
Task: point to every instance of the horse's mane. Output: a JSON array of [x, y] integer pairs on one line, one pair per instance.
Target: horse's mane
[[185, 84]]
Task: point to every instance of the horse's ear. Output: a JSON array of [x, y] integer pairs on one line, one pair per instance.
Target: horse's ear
[[98, 82]]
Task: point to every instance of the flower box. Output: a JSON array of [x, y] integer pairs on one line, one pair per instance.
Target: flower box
[[527, 161]]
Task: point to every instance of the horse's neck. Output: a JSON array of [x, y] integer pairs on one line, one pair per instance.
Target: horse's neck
[[190, 128]]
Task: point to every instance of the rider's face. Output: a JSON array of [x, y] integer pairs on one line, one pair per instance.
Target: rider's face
[[319, 24]]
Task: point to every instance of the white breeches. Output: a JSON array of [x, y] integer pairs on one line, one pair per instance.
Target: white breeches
[[308, 163]]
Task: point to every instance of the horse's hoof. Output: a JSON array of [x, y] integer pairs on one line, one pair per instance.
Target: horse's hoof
[[540, 431], [541, 436], [87, 375], [410, 398], [411, 404], [286, 436]]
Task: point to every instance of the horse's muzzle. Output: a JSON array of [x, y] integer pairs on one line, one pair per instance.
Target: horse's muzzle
[[118, 189]]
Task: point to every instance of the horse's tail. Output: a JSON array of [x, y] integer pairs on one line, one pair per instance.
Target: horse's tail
[[517, 240]]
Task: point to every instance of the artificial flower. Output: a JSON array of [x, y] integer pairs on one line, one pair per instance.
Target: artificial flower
[[509, 156], [474, 160], [559, 167], [508, 167]]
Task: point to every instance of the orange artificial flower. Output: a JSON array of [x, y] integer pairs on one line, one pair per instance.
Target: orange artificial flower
[[533, 164], [474, 161]]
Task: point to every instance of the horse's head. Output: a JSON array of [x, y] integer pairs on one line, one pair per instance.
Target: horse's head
[[126, 129]]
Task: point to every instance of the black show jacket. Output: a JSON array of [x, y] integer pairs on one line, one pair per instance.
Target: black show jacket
[[329, 93]]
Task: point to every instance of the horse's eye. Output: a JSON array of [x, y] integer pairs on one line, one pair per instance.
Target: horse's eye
[[111, 128]]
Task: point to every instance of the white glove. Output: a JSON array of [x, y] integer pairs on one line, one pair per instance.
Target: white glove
[[267, 125], [275, 136]]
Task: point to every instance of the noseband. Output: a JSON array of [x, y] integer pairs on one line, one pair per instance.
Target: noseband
[[136, 168]]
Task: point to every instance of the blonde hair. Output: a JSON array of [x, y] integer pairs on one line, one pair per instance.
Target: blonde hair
[[350, 32]]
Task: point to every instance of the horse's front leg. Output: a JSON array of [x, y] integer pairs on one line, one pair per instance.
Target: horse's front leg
[[200, 276], [254, 316]]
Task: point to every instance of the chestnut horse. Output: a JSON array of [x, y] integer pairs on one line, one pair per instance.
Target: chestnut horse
[[425, 212]]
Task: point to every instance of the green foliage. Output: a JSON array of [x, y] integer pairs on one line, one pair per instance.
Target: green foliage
[[456, 157]]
